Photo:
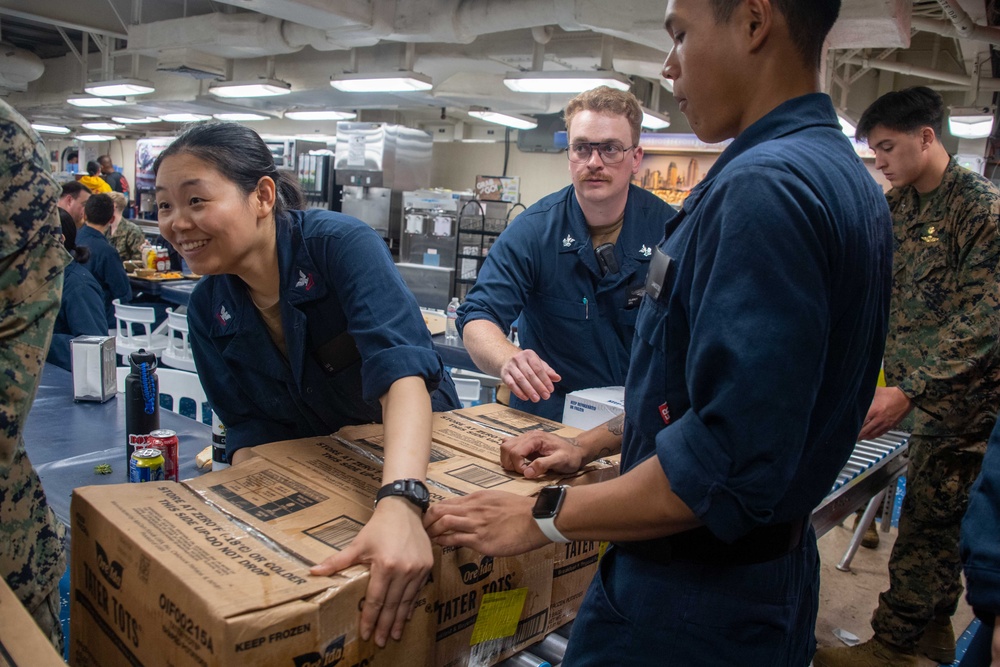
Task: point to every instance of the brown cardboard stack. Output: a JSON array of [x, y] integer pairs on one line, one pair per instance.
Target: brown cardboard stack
[[22, 643], [215, 571]]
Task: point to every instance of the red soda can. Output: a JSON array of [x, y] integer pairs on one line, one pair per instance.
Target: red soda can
[[165, 440]]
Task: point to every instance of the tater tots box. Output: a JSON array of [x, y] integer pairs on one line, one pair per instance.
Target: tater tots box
[[160, 577]]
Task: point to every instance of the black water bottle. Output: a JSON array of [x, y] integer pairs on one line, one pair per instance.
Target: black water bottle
[[142, 406]]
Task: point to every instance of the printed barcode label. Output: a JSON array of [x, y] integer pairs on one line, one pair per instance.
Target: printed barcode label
[[337, 533], [531, 626], [479, 476]]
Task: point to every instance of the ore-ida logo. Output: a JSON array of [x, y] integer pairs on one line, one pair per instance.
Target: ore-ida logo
[[473, 572]]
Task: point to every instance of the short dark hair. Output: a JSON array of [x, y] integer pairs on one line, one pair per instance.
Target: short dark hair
[[73, 189], [99, 209], [240, 155], [905, 110], [102, 158], [80, 253], [808, 22]]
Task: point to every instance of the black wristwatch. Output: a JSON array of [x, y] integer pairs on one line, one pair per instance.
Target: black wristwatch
[[411, 489]]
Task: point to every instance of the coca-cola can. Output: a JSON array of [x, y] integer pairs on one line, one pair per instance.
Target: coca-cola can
[[165, 440]]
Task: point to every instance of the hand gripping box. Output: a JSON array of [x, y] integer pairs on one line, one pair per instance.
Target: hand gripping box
[[161, 577], [480, 609], [576, 563]]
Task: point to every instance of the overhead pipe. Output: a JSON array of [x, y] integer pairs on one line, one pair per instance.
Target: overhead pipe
[[912, 70], [961, 25]]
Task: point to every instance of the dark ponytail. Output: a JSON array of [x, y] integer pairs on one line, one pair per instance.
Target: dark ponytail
[[239, 154], [80, 253]]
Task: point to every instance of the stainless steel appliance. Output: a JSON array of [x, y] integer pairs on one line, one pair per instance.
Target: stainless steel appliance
[[375, 163]]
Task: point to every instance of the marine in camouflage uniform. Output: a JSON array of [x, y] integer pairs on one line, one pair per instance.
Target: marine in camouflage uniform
[[127, 239], [942, 352], [32, 258]]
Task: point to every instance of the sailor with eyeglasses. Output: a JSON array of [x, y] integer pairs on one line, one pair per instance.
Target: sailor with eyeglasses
[[571, 268]]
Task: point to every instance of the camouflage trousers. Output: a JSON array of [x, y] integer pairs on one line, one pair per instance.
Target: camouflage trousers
[[925, 567], [46, 615]]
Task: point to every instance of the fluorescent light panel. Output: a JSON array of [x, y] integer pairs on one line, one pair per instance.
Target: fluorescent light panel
[[654, 120], [509, 119], [120, 87], [85, 101], [320, 115], [849, 128], [183, 117], [135, 121], [569, 82], [51, 129], [260, 88], [240, 116], [103, 126], [95, 137], [972, 126], [385, 82]]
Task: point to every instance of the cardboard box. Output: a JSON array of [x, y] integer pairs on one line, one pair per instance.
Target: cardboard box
[[588, 408], [22, 643], [159, 577], [487, 607], [512, 422]]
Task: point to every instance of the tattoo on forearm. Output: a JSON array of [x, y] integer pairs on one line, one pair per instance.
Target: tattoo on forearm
[[606, 451], [617, 425], [573, 442]]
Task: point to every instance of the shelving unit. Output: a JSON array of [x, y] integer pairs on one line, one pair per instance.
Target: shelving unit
[[479, 224]]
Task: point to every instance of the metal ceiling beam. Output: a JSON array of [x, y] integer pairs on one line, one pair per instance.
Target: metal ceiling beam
[[83, 16]]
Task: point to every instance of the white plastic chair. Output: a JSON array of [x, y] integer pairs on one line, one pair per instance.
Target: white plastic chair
[[180, 392], [178, 352], [127, 341]]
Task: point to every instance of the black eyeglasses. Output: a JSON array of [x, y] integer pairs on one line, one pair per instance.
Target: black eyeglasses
[[611, 152]]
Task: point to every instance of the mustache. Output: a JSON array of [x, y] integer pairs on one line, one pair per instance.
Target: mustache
[[593, 176]]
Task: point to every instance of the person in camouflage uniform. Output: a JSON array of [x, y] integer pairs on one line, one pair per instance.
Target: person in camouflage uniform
[[942, 369], [123, 234], [32, 257]]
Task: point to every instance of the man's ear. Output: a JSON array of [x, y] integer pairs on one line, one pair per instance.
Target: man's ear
[[758, 17], [927, 138]]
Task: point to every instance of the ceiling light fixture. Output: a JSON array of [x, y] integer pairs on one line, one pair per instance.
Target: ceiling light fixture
[[85, 101], [183, 117], [103, 126], [238, 116], [569, 82], [654, 120], [51, 129], [135, 121], [95, 137], [970, 122], [320, 115], [509, 119], [259, 88], [120, 87], [403, 81]]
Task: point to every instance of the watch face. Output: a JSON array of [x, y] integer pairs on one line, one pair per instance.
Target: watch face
[[548, 501], [420, 491]]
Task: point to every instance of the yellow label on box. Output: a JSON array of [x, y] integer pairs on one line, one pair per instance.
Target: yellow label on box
[[498, 615]]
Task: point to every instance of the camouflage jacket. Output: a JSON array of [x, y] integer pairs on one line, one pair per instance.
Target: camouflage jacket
[[942, 349], [32, 259], [127, 239]]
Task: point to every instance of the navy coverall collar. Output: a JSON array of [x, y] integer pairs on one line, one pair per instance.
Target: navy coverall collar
[[630, 240], [794, 115], [235, 314]]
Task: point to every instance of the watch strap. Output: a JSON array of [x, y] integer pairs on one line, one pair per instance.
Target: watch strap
[[548, 528], [406, 488]]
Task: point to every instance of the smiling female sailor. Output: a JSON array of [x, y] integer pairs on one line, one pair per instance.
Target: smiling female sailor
[[302, 325]]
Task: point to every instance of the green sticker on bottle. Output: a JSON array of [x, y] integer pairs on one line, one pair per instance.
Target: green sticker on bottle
[[498, 615]]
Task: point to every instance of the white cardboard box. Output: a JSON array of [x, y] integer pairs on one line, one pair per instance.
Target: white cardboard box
[[587, 408]]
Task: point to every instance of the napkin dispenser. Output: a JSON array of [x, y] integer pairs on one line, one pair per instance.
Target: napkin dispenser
[[95, 377]]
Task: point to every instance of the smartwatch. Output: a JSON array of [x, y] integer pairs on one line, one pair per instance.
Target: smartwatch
[[547, 506], [411, 489]]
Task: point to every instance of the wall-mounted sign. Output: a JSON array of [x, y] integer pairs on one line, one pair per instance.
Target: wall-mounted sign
[[499, 188]]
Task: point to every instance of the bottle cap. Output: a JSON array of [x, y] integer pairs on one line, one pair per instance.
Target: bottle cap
[[136, 359]]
